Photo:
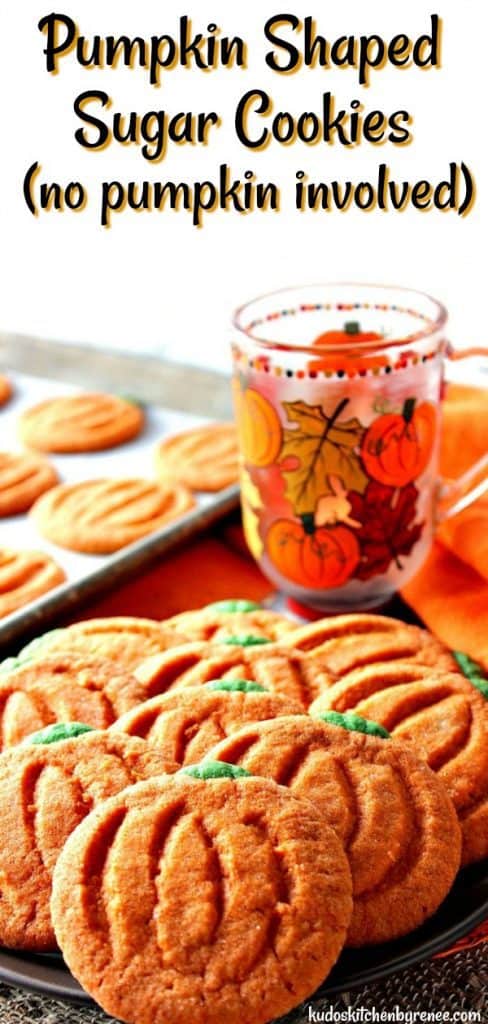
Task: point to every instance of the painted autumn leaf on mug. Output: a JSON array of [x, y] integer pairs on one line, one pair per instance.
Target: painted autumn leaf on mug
[[320, 448], [388, 529]]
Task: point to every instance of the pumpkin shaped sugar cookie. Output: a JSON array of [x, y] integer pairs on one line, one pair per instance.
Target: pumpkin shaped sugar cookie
[[46, 788], [185, 724], [101, 516], [63, 688], [23, 478], [25, 576], [394, 816], [443, 717], [202, 898], [80, 423], [202, 458], [282, 670], [227, 618], [124, 639], [345, 642]]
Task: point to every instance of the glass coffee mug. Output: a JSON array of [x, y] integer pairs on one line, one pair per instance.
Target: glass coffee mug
[[337, 392]]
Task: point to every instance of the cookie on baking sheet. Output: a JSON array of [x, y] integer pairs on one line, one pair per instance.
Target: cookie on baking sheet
[[24, 576], [46, 789], [125, 639], [80, 423], [349, 641], [5, 389], [185, 724], [102, 516], [290, 673], [203, 458], [203, 899], [23, 478], [230, 618], [394, 816], [63, 688], [444, 716]]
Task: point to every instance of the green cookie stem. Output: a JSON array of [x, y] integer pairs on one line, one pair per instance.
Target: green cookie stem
[[245, 640], [132, 400], [29, 652], [236, 686], [57, 733], [235, 605], [215, 770], [354, 723], [472, 671], [37, 646]]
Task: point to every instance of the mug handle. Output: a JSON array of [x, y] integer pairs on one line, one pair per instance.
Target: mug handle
[[456, 495]]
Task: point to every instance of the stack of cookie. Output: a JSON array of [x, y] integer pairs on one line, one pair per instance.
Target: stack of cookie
[[98, 516], [202, 812]]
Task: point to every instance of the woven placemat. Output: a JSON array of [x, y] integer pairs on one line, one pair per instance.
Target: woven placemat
[[459, 983]]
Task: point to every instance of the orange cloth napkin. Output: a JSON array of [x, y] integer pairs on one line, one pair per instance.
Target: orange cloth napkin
[[450, 593]]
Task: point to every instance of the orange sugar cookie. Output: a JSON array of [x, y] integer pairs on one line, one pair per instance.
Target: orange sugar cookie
[[47, 787], [203, 899], [394, 816], [102, 516], [80, 423], [23, 478], [24, 576], [203, 458]]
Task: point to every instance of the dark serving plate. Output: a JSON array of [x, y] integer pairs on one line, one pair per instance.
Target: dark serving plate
[[465, 907]]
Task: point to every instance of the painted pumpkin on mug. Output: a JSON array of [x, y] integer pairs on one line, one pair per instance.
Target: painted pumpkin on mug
[[259, 426], [397, 447], [316, 558]]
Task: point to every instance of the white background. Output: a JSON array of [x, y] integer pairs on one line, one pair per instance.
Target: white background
[[153, 282]]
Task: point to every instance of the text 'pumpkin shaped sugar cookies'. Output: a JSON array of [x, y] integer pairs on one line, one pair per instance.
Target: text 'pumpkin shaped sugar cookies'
[[203, 899], [185, 724], [102, 516], [396, 821], [281, 669], [46, 789], [203, 458], [124, 639], [23, 478], [80, 423], [443, 716], [345, 642], [25, 576], [63, 689]]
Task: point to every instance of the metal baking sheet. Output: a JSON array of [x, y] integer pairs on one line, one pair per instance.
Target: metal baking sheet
[[89, 574]]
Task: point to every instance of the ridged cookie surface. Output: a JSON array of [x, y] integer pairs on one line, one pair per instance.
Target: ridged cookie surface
[[102, 516], [185, 724], [210, 901], [25, 576], [80, 423], [444, 717], [394, 816], [45, 791], [63, 689], [23, 477]]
